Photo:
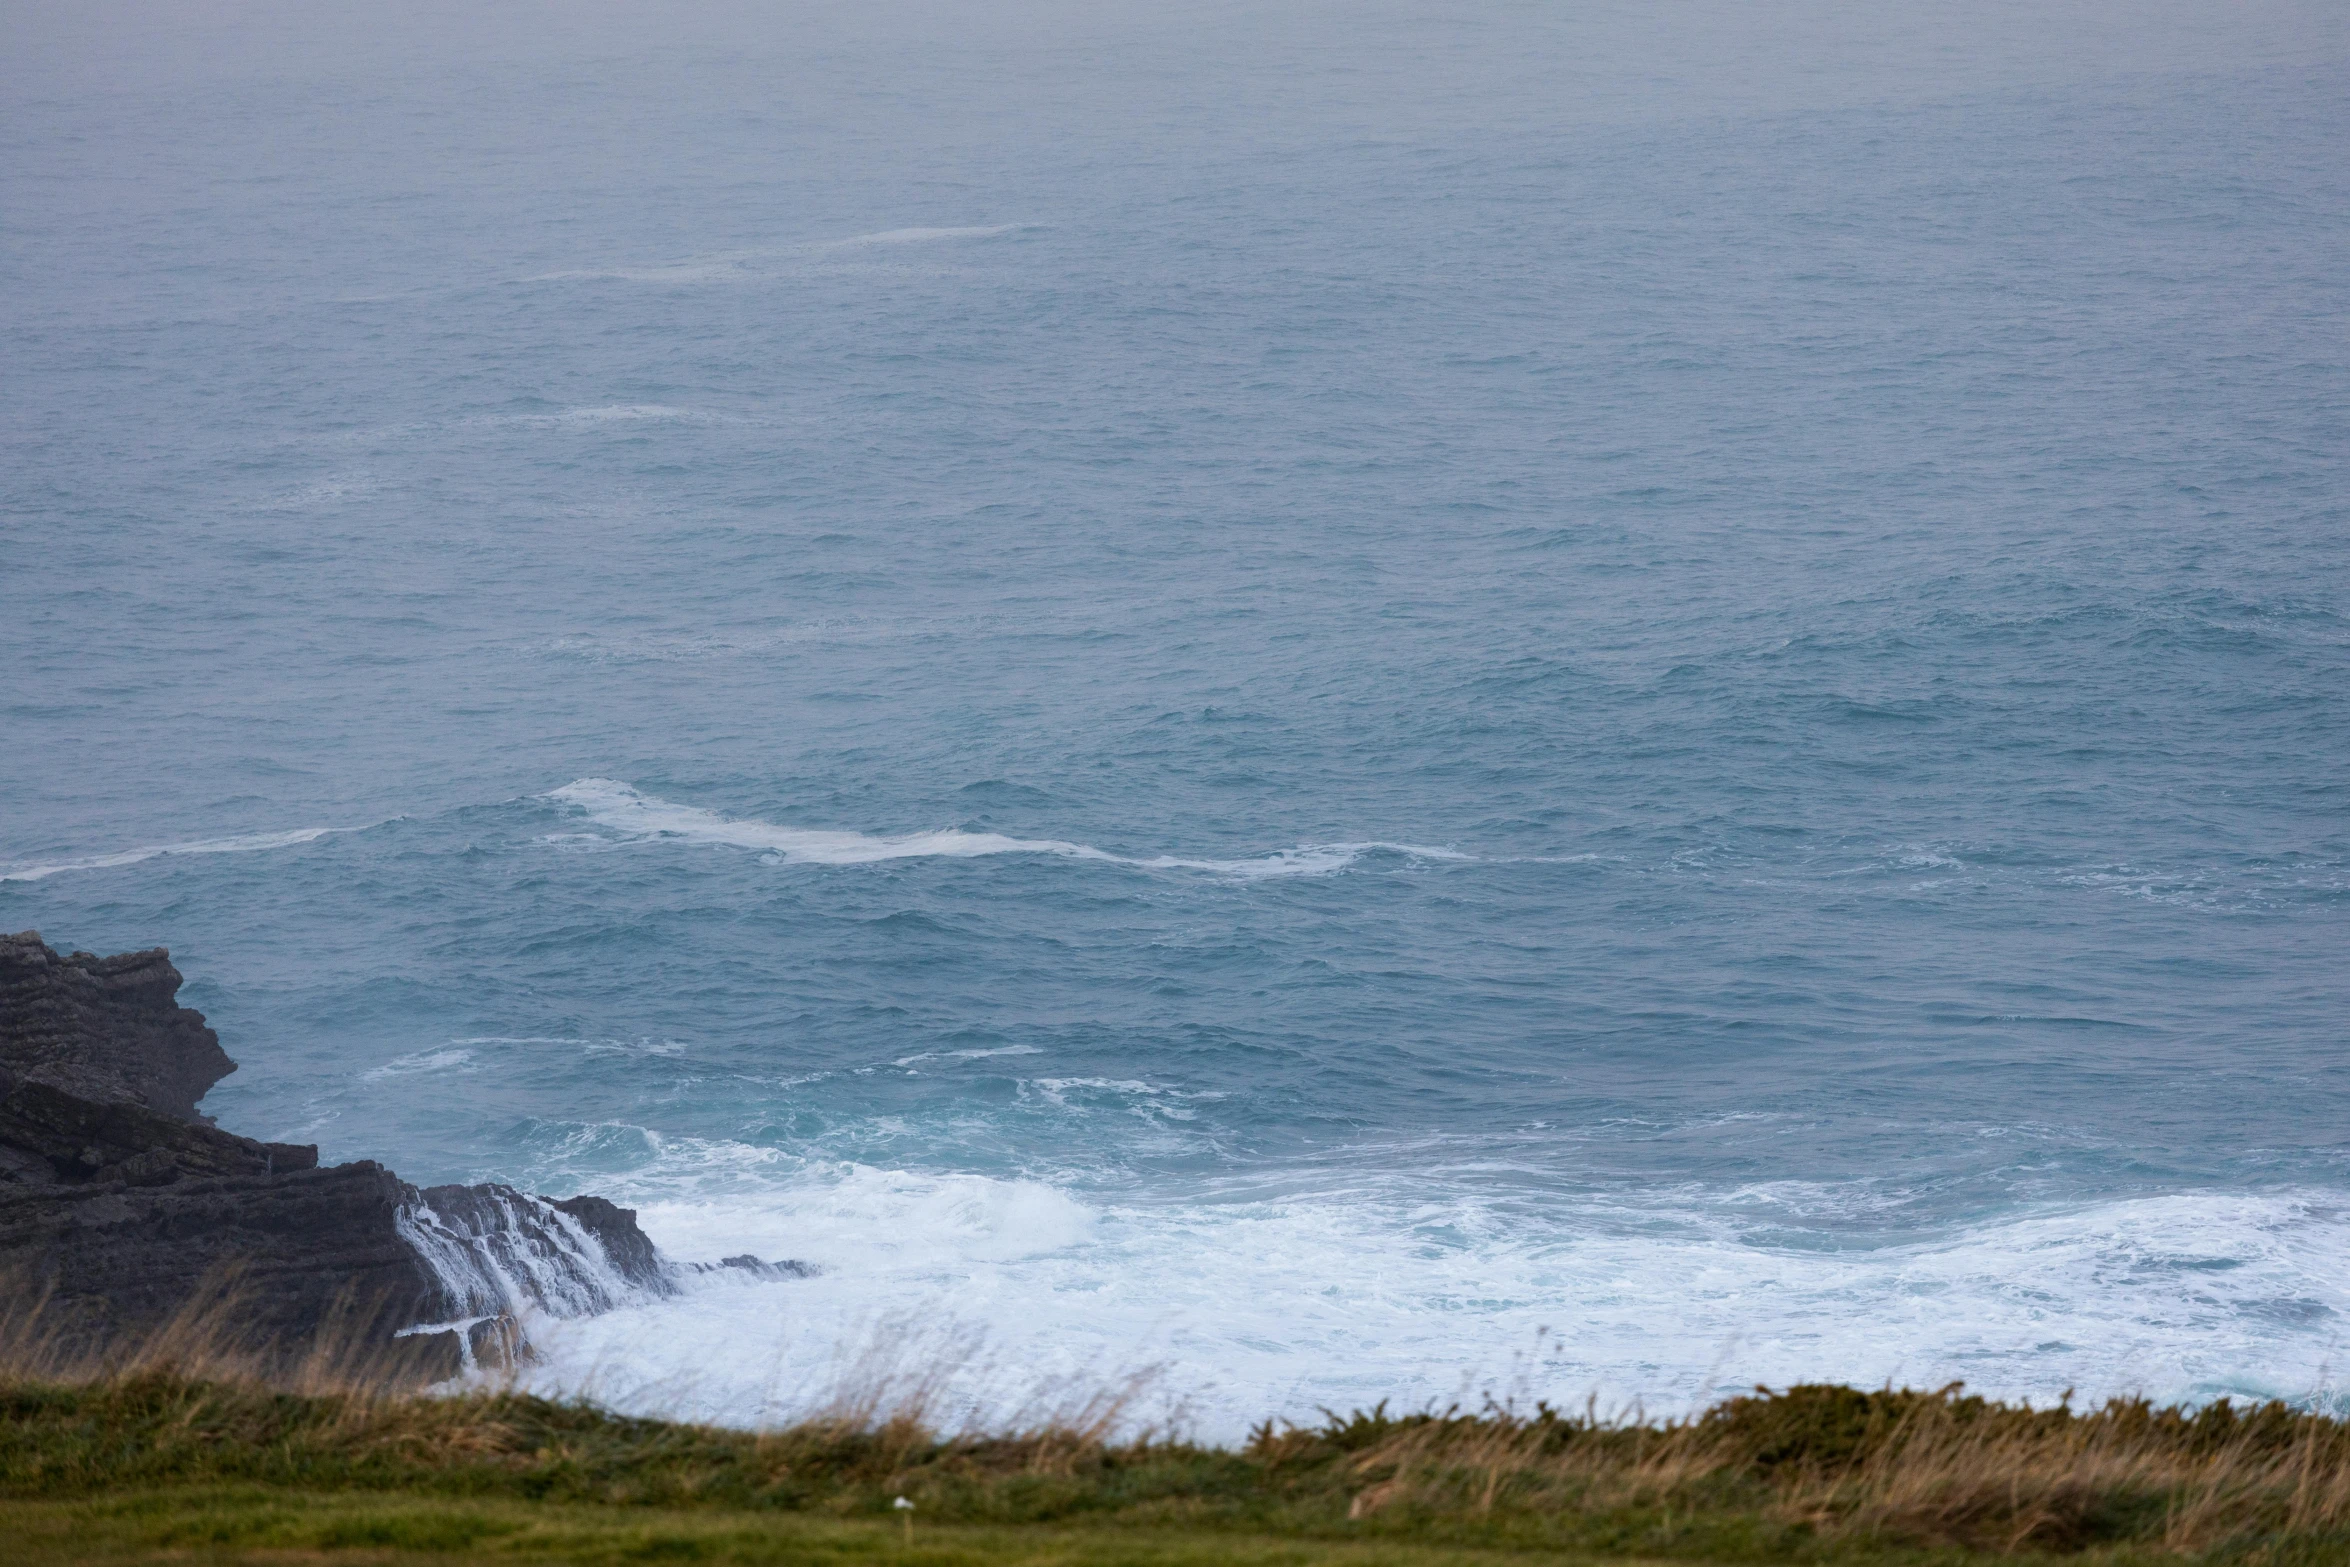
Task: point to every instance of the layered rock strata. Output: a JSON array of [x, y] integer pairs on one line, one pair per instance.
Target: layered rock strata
[[120, 1205]]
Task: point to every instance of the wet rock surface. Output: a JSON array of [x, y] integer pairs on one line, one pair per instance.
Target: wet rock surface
[[120, 1205]]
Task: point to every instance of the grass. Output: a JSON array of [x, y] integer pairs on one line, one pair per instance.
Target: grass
[[256, 1525], [180, 1452]]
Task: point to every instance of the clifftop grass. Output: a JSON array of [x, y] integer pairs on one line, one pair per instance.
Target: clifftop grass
[[1805, 1474]]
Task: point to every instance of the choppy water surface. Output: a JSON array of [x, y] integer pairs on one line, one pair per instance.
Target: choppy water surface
[[1366, 709]]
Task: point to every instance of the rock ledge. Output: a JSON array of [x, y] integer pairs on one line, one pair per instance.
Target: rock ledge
[[120, 1204]]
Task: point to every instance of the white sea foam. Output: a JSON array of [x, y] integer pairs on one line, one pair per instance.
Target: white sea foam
[[639, 817], [448, 1059], [1312, 859], [460, 1055], [247, 844], [496, 1251], [526, 1039], [968, 1055], [624, 810], [1283, 1305]]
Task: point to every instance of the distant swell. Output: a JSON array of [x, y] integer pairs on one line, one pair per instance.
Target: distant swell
[[240, 845], [759, 264], [636, 816]]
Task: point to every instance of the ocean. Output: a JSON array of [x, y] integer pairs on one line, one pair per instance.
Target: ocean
[[1295, 704]]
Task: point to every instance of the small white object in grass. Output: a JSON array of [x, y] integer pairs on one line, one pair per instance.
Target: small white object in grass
[[903, 1505]]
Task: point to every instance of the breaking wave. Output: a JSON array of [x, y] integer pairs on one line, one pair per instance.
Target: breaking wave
[[1269, 1304]]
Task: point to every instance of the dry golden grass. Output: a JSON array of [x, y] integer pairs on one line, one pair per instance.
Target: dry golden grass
[[1919, 1468], [211, 1336]]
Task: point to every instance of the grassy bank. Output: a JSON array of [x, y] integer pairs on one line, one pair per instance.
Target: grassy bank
[[150, 1462], [251, 1524]]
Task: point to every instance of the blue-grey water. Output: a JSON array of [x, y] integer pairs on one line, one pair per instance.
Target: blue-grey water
[[1369, 703]]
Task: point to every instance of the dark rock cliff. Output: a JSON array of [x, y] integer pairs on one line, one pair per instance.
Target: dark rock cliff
[[120, 1205], [110, 1030]]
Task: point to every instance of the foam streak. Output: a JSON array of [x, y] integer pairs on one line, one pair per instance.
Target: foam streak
[[247, 844], [642, 817]]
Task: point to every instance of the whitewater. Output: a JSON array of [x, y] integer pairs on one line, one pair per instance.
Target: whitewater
[[1300, 707]]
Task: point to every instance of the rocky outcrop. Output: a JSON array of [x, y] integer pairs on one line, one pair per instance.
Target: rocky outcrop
[[120, 1204], [312, 1258], [496, 1250], [49, 1135], [109, 1030]]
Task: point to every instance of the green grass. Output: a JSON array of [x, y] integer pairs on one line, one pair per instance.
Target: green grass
[[258, 1524], [155, 1464]]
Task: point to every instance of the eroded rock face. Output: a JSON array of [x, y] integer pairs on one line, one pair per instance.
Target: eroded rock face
[[306, 1253], [47, 1134], [119, 1204], [109, 1030]]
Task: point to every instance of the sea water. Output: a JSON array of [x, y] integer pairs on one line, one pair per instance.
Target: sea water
[[1357, 702]]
